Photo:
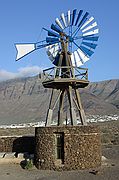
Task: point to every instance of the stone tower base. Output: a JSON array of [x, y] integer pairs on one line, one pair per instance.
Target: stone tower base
[[67, 147]]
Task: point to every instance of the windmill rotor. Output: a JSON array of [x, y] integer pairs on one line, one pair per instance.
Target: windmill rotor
[[80, 30]]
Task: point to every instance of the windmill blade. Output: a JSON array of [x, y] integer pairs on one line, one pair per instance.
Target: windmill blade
[[51, 58], [56, 60], [24, 49], [63, 19], [52, 50], [90, 45], [73, 16], [55, 50], [91, 38], [87, 22], [56, 46], [49, 50], [56, 28], [83, 19], [90, 27], [96, 31], [68, 17], [79, 15], [72, 60], [86, 50], [77, 59], [59, 23], [52, 40], [51, 33], [83, 56]]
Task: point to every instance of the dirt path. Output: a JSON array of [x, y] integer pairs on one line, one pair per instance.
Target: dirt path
[[108, 171], [15, 172]]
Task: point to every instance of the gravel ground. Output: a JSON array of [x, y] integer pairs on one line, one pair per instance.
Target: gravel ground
[[108, 171]]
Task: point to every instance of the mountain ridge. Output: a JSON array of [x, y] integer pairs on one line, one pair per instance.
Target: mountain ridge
[[26, 100]]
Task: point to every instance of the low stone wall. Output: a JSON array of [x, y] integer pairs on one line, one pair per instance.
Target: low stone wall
[[18, 144], [82, 147]]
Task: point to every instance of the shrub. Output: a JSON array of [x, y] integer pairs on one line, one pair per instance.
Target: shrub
[[29, 164]]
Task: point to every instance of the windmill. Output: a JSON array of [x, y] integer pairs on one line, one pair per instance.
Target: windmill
[[70, 42]]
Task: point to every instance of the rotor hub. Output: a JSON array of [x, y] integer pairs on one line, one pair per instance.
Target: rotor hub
[[70, 39]]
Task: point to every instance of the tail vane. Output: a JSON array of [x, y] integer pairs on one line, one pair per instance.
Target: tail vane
[[24, 49]]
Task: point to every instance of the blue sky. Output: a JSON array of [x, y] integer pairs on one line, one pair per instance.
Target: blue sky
[[22, 21]]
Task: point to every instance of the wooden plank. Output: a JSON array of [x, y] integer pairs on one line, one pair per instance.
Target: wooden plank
[[81, 111], [72, 111]]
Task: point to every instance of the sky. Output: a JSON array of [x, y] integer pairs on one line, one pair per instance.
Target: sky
[[21, 21]]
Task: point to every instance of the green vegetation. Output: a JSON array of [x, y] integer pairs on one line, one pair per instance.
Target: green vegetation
[[29, 164]]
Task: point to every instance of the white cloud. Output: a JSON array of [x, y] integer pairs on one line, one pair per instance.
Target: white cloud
[[22, 72]]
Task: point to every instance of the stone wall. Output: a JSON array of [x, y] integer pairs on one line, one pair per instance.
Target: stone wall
[[82, 147], [19, 144]]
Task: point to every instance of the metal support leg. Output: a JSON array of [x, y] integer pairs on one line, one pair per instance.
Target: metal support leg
[[81, 111], [72, 111]]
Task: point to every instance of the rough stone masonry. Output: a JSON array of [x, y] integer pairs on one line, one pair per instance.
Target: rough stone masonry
[[80, 147]]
